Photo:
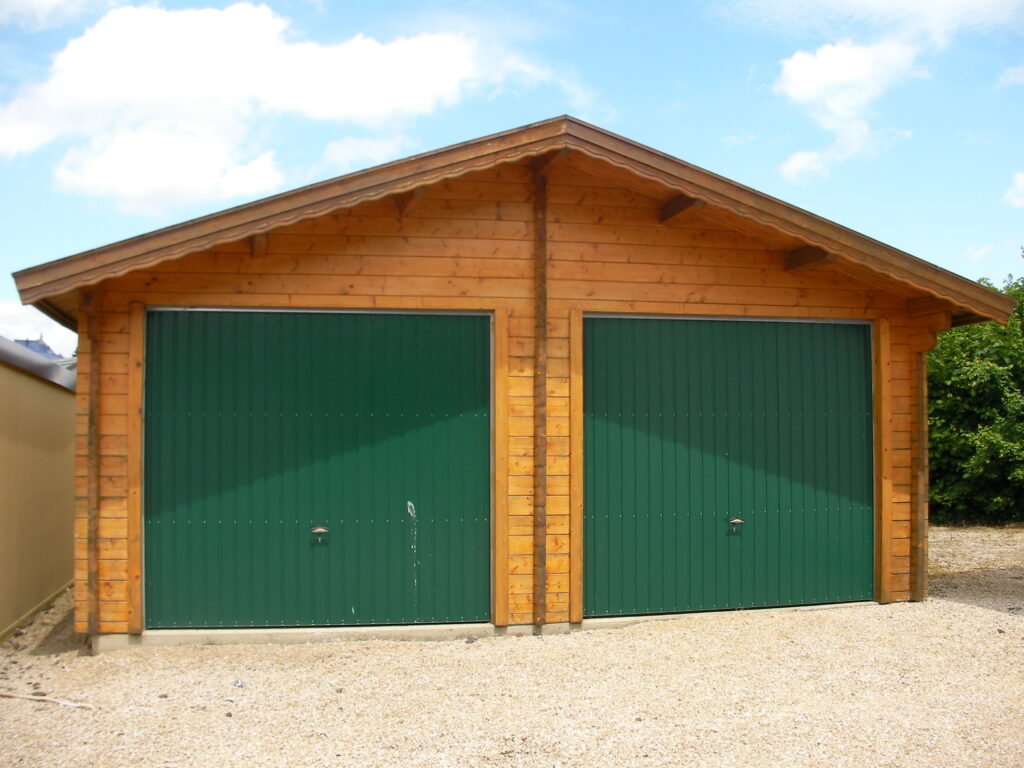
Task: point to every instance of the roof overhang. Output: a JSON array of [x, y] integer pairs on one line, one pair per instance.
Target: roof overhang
[[970, 301]]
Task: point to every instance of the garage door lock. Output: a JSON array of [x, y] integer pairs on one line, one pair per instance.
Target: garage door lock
[[735, 523], [319, 531]]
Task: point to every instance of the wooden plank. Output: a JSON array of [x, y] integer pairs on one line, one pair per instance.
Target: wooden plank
[[501, 469], [136, 351], [759, 277], [744, 297], [540, 347], [203, 285], [576, 466], [90, 305], [882, 407], [919, 482], [402, 260], [119, 363]]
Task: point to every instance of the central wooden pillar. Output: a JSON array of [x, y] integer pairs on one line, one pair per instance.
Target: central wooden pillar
[[540, 397]]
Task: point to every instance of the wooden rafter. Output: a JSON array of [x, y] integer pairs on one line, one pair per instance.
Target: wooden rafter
[[404, 200], [258, 243], [541, 165], [808, 257], [539, 143], [678, 205]]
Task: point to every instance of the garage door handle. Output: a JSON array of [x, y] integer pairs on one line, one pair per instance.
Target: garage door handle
[[319, 531], [735, 522]]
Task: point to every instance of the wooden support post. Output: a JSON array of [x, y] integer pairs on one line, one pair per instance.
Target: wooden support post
[[136, 362], [919, 464], [259, 245], [540, 398], [576, 466], [882, 406], [90, 308], [500, 548], [677, 206], [807, 257]]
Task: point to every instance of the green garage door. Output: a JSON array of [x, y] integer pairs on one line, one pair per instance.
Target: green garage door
[[262, 427], [692, 423]]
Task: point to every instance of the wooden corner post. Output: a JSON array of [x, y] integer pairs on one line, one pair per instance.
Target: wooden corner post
[[576, 466], [136, 365], [89, 310]]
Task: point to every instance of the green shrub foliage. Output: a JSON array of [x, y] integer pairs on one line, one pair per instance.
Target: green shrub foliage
[[976, 418]]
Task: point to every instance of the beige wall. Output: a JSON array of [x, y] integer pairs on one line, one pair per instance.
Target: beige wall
[[37, 422]]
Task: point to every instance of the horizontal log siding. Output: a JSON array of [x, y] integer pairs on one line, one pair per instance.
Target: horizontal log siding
[[610, 253], [466, 244]]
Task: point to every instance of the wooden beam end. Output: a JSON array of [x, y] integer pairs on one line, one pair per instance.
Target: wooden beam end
[[678, 205], [809, 256]]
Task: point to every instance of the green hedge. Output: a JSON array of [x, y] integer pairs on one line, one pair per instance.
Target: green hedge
[[976, 417]]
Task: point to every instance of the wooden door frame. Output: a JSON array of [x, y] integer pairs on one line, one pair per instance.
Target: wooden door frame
[[499, 327], [881, 377]]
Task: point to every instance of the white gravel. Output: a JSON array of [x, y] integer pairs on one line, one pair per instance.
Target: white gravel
[[928, 684]]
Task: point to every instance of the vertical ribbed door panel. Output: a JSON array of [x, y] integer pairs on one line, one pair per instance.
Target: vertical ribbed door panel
[[262, 426], [691, 423]]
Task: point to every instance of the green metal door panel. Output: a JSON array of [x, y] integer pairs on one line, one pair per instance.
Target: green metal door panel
[[263, 425], [689, 423]]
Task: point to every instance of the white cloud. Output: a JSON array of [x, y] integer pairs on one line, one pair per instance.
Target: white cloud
[[837, 85], [152, 167], [975, 253], [159, 105], [38, 14], [1015, 194], [354, 152], [21, 322], [1011, 76], [932, 20]]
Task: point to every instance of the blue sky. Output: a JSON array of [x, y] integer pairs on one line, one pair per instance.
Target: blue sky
[[902, 119]]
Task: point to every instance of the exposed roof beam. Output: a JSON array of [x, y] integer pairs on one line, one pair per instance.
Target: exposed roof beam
[[808, 256], [59, 278], [405, 199], [541, 164], [927, 305], [258, 242], [678, 205]]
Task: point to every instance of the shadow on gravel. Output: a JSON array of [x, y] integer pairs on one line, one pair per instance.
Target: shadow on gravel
[[50, 633], [998, 589], [61, 637]]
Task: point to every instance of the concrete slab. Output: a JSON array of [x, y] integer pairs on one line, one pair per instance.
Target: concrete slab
[[154, 638]]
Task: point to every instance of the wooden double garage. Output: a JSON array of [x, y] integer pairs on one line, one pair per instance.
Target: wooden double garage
[[335, 468], [541, 376]]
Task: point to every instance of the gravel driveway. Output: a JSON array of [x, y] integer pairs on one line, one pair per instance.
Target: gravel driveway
[[928, 684]]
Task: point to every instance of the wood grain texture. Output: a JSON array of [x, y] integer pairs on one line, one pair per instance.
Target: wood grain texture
[[468, 244], [540, 395], [133, 532], [500, 540], [882, 406], [575, 586]]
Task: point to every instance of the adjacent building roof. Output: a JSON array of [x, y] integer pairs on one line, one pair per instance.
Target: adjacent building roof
[[61, 371], [52, 286]]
